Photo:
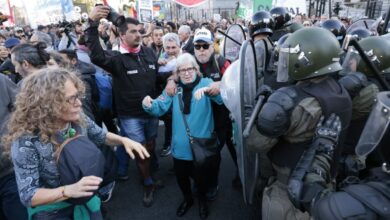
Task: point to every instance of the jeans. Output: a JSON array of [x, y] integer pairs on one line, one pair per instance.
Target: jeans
[[11, 207], [141, 130]]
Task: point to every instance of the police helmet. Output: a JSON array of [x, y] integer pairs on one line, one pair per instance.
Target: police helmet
[[281, 17], [261, 23]]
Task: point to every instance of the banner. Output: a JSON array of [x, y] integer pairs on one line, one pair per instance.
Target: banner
[[48, 11], [190, 3], [294, 7], [145, 10], [245, 9], [259, 5]]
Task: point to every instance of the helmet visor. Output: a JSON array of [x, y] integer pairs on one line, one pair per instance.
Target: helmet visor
[[283, 63], [351, 61]]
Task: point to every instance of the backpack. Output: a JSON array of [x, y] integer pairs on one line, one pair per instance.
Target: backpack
[[79, 157], [104, 85]]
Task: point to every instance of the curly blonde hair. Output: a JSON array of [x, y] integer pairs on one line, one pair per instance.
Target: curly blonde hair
[[39, 105]]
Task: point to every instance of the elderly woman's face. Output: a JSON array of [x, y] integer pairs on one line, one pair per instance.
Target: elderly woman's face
[[187, 73], [72, 109]]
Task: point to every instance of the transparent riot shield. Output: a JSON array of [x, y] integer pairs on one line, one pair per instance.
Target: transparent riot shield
[[231, 49], [367, 23], [238, 90]]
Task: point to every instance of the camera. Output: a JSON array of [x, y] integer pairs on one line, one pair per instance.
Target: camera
[[114, 17], [65, 27]]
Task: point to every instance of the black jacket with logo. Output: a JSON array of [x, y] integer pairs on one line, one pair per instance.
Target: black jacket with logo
[[134, 75]]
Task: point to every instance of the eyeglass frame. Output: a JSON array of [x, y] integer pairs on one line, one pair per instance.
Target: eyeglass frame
[[72, 99], [187, 70]]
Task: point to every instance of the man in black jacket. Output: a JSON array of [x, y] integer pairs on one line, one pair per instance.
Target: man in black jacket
[[87, 74], [134, 70]]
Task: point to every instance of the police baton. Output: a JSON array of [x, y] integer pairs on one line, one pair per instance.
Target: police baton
[[252, 119], [223, 33], [370, 65], [386, 22]]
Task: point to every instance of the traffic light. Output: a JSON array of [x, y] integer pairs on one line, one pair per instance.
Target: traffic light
[[337, 8]]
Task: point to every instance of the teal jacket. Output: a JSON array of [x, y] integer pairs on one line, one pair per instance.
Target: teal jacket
[[200, 120]]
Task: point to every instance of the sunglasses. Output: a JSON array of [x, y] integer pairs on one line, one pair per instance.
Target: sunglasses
[[204, 46]]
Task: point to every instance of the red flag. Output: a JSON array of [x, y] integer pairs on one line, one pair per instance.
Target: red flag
[[190, 3], [11, 16]]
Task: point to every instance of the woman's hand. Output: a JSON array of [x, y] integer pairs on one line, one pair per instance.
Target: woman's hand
[[83, 187], [171, 88], [200, 92], [131, 146], [147, 101]]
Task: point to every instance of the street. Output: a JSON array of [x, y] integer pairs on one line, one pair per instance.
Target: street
[[126, 202]]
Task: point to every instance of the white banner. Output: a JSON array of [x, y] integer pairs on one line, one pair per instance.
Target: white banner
[[294, 7], [145, 13]]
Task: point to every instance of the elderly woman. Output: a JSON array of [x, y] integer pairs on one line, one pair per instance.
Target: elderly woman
[[198, 112], [48, 109]]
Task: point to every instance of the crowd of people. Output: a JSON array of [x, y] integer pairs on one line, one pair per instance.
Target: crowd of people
[[78, 100]]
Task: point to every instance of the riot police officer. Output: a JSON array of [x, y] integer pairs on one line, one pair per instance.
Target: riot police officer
[[287, 121], [336, 27], [363, 87], [367, 198], [283, 23], [282, 19], [260, 29]]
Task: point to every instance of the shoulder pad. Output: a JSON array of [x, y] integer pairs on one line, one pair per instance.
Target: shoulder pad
[[274, 118], [354, 83], [339, 205]]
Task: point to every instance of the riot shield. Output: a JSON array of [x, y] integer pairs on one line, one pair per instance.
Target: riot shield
[[261, 53], [238, 90], [367, 23], [231, 50], [376, 125]]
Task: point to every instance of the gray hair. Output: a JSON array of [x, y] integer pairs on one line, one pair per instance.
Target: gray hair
[[186, 58], [171, 37], [185, 29], [43, 37]]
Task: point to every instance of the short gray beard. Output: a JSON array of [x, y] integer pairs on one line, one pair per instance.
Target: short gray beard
[[203, 61]]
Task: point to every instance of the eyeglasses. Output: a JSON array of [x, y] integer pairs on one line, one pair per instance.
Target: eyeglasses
[[204, 46], [188, 70], [72, 99]]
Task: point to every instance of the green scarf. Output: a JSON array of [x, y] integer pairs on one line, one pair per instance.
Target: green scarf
[[80, 211]]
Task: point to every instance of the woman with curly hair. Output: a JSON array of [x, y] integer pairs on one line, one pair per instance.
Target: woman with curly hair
[[48, 107]]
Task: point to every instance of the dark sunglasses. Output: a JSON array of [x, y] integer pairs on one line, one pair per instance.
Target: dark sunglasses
[[204, 46]]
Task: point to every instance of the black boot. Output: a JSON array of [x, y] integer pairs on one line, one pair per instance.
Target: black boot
[[203, 209], [184, 207]]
